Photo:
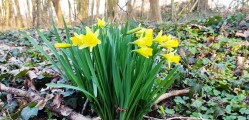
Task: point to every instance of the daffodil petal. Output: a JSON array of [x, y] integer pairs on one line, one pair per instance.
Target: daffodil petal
[[145, 51], [62, 45]]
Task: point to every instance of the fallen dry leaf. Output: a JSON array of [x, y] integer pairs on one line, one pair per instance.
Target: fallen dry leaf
[[29, 84], [31, 75], [57, 100], [41, 104], [244, 34]]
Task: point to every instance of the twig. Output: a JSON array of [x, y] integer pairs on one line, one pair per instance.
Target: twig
[[183, 118], [170, 94], [61, 110], [194, 6], [152, 118], [84, 106], [173, 118]]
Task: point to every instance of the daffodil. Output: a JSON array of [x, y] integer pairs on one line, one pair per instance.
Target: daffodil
[[171, 58], [62, 45], [146, 40], [77, 39], [135, 30], [170, 44], [161, 38], [140, 32], [144, 51], [90, 39], [101, 23]]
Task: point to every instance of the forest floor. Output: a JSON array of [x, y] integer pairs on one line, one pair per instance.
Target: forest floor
[[214, 68]]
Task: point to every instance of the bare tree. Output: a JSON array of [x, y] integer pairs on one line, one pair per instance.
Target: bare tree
[[92, 8], [172, 10], [28, 17], [97, 8], [142, 8], [112, 9], [57, 7], [7, 12], [11, 11], [46, 4], [70, 12], [18, 16], [82, 9], [38, 12], [155, 11], [34, 11], [131, 8], [2, 12], [202, 5]]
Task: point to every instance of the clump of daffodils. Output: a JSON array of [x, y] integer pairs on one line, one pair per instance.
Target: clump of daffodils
[[114, 69], [145, 41]]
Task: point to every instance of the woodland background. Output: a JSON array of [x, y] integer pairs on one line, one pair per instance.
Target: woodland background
[[213, 80], [39, 13]]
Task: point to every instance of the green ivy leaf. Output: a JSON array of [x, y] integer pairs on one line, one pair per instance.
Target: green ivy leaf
[[216, 92], [28, 112], [179, 100], [197, 103], [169, 111], [241, 118], [244, 111], [11, 107], [228, 109]]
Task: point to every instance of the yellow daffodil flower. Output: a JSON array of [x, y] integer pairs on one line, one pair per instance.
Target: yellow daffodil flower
[[101, 23], [135, 30], [161, 38], [149, 36], [146, 40], [90, 39], [171, 58], [170, 44], [62, 45], [144, 51], [140, 33], [77, 39]]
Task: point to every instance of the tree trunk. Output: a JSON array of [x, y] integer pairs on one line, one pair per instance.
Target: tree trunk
[[34, 12], [45, 12], [3, 13], [7, 12], [70, 12], [92, 8], [142, 8], [19, 16], [28, 17], [57, 7], [38, 13], [134, 12], [131, 8], [82, 9], [172, 10], [202, 5], [97, 8], [112, 9], [155, 11], [11, 11]]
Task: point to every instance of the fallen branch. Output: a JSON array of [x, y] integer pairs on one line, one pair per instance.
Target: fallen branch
[[61, 110], [183, 118], [170, 94], [173, 118], [70, 113]]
